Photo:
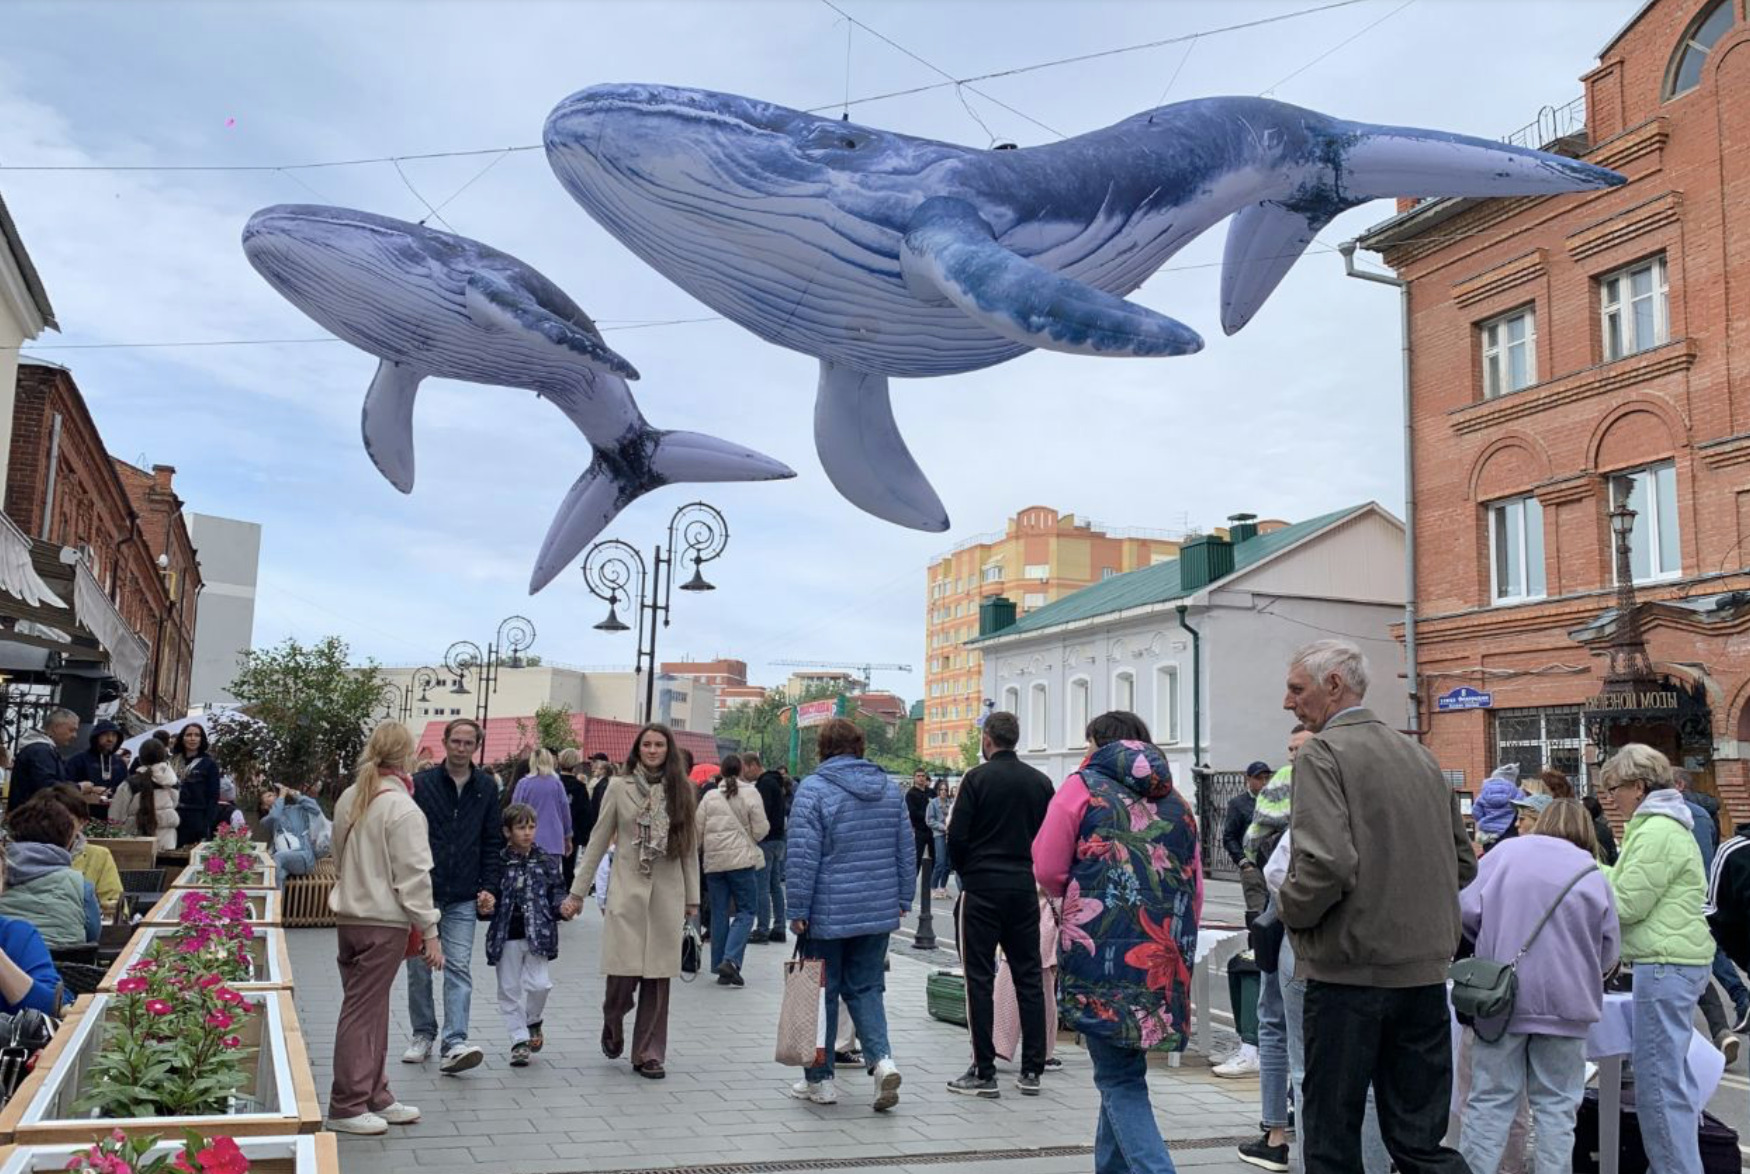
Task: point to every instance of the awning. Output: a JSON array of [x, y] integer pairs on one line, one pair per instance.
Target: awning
[[93, 610], [18, 576]]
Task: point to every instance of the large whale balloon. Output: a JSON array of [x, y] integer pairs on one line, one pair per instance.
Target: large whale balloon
[[432, 304], [884, 255]]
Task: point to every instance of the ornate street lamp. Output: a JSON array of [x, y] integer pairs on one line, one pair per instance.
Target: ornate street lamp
[[464, 659], [1628, 668], [615, 572]]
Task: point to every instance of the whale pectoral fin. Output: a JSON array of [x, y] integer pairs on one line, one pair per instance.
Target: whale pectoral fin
[[1263, 243], [496, 307], [865, 456], [949, 251], [387, 422]]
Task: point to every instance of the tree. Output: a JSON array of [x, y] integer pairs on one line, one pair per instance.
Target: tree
[[971, 750], [304, 717], [551, 729]]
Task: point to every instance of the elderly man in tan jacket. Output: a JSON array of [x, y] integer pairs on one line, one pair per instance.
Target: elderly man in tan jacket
[[1371, 901]]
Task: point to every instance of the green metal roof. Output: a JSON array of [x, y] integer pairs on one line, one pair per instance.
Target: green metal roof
[[1160, 583]]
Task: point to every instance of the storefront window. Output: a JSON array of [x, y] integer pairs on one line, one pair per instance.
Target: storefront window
[[1536, 738]]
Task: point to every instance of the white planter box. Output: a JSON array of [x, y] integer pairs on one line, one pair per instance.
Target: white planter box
[[311, 1153], [265, 907], [273, 967]]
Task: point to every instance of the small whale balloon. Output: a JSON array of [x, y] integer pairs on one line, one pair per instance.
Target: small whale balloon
[[887, 256], [432, 304]]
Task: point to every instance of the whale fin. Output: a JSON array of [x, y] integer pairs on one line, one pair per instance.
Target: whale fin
[[493, 306], [950, 252], [865, 456], [1263, 243], [644, 459], [387, 422], [1386, 161]]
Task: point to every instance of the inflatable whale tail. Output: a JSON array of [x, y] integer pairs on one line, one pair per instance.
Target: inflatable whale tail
[[642, 460], [1358, 162]]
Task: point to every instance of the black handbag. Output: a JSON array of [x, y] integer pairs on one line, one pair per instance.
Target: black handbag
[[692, 950], [1483, 988], [23, 1036]]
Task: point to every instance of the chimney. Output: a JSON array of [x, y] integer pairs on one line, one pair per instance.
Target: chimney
[[162, 475], [1241, 527], [995, 614], [1203, 560]]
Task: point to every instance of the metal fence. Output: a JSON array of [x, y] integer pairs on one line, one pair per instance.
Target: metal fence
[[1213, 792]]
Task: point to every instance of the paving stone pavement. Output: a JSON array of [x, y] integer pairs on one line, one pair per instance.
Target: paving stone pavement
[[724, 1099]]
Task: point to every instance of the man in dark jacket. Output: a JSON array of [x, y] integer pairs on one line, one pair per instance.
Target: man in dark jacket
[[917, 806], [100, 765], [576, 798], [769, 883], [37, 764], [465, 825], [1723, 1030], [990, 844], [1233, 837], [1728, 896]]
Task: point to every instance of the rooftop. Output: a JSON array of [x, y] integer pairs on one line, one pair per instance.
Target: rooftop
[[33, 282], [1160, 583]]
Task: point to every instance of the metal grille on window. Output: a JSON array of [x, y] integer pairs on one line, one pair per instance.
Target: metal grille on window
[[1539, 738]]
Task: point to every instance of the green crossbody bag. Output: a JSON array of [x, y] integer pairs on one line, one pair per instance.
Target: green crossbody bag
[[1484, 989]]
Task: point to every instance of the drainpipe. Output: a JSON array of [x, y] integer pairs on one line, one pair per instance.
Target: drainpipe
[[1412, 671], [1196, 694], [49, 481]]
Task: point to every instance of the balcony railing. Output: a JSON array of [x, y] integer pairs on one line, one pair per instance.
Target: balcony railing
[[1553, 124]]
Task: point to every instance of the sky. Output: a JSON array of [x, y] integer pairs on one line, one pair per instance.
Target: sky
[[1295, 416]]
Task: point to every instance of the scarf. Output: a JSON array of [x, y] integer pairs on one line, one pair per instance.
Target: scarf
[[182, 765], [652, 820]]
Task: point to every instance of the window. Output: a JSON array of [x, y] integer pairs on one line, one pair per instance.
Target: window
[[1636, 306], [1036, 571], [1012, 700], [993, 574], [1076, 724], [1509, 353], [1106, 573], [1124, 691], [1037, 707], [1536, 738], [1652, 545], [1516, 546], [1167, 704], [1033, 599], [1692, 51]]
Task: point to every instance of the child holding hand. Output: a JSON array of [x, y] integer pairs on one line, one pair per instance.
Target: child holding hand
[[524, 934]]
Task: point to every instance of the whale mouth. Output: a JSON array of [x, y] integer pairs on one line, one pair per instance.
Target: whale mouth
[[587, 115]]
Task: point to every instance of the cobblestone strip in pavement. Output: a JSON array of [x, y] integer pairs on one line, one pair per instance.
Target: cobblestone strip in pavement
[[724, 1099]]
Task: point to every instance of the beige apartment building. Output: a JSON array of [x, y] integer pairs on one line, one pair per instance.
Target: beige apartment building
[[1040, 557], [617, 694]]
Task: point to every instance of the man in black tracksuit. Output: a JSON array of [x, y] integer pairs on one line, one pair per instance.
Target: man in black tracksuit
[[774, 795], [917, 804], [1728, 897], [990, 845]]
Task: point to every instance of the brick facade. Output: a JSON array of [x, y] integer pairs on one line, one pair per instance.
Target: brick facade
[[1584, 417], [159, 509], [94, 507]]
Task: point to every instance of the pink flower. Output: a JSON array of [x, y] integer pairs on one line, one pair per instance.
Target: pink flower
[[215, 865], [232, 1041], [130, 986], [144, 964], [158, 1006], [208, 981], [1077, 912], [1141, 815], [222, 1157], [1157, 857], [227, 995], [220, 1020]]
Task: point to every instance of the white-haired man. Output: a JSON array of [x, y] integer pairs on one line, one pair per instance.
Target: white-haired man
[[37, 765], [1378, 855]]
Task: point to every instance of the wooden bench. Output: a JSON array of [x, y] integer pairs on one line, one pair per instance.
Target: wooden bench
[[306, 897]]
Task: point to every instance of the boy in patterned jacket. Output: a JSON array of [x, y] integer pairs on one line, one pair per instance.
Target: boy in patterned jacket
[[524, 934]]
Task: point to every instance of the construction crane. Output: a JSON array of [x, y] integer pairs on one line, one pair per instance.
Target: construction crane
[[868, 670]]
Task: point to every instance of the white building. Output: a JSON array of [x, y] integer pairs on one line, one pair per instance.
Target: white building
[[617, 694], [24, 313], [1205, 636], [224, 628]]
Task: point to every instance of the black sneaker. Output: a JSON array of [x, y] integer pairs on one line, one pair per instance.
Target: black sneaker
[[971, 1084], [1028, 1083], [1054, 1065], [1265, 1156], [850, 1057], [757, 937], [519, 1055], [776, 937], [729, 974], [1741, 1021]]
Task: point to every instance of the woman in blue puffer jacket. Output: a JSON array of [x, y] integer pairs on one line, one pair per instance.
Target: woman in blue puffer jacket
[[849, 875]]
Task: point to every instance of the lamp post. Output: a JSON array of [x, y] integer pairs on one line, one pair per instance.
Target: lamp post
[[398, 700], [1628, 667], [464, 659], [616, 572]]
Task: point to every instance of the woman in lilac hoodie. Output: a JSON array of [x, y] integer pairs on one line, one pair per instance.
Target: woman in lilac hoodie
[[1541, 1054]]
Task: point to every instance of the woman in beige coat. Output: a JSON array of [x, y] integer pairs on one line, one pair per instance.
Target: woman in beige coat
[[732, 822], [647, 815], [146, 800]]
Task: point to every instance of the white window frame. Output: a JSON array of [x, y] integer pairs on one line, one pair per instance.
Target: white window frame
[[1617, 307], [1037, 571], [993, 574], [1033, 599], [1038, 715], [1497, 352], [1530, 586], [1166, 729], [1012, 700], [1079, 710], [1119, 701], [1649, 522]]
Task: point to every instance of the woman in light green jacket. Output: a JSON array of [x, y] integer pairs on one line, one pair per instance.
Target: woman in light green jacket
[[1660, 887]]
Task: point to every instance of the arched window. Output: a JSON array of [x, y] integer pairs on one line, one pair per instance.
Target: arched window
[[1124, 691], [1012, 700], [1076, 723], [1697, 43], [1038, 714]]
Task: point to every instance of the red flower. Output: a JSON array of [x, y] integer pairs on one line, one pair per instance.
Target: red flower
[[130, 986], [226, 995], [220, 1019], [158, 1006], [1158, 958], [206, 981], [231, 1041], [1095, 847], [222, 1157]]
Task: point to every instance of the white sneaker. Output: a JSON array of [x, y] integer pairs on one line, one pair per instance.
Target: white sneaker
[[1241, 1064], [399, 1114], [364, 1123], [886, 1085], [418, 1052], [824, 1093], [462, 1057]]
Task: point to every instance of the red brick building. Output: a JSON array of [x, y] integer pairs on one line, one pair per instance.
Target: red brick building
[[722, 674], [65, 492], [1571, 354]]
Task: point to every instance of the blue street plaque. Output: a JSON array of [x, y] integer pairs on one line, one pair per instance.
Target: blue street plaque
[[1464, 697]]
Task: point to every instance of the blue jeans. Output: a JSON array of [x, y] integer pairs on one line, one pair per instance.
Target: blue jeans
[[1549, 1071], [1272, 1051], [1127, 1139], [729, 934], [1667, 1100], [1727, 976], [769, 882], [1374, 1158], [939, 879], [855, 972], [298, 862], [456, 932]]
